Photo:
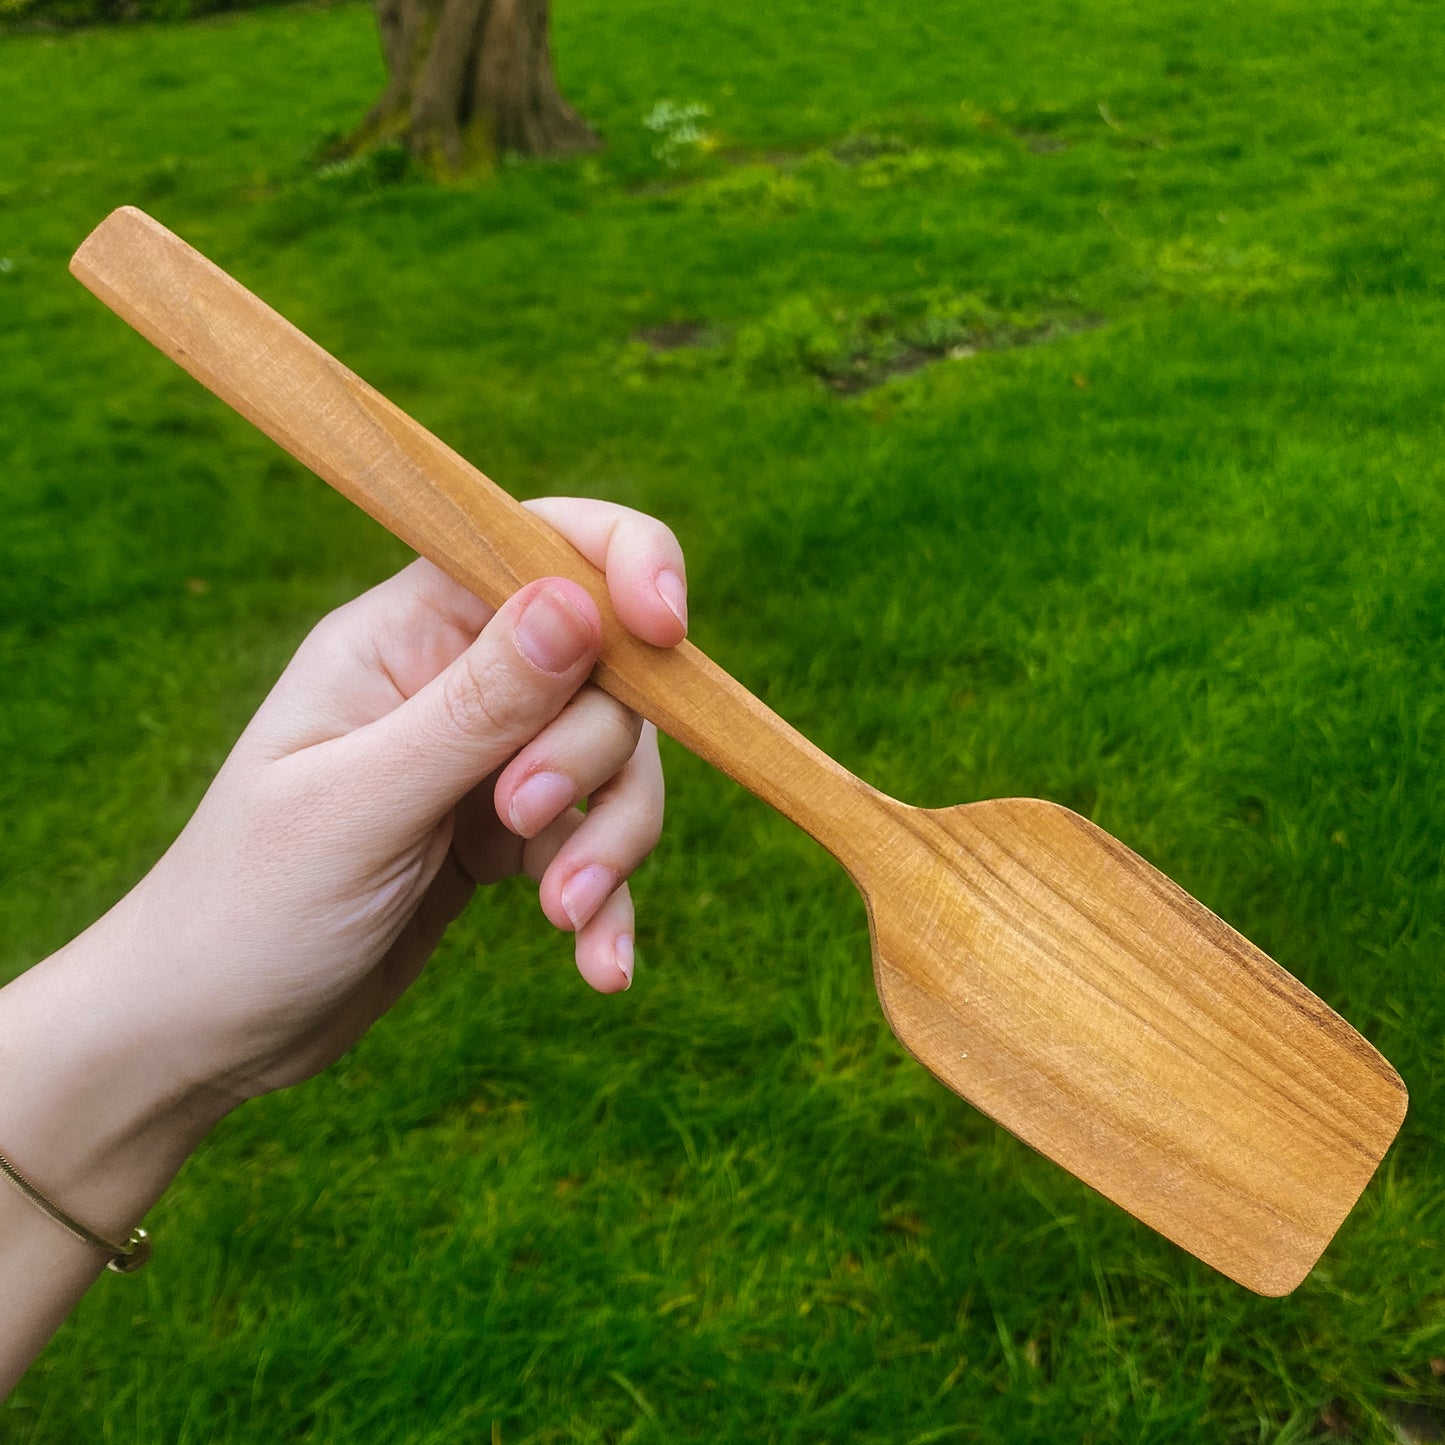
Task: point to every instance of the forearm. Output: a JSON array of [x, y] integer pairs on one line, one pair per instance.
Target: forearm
[[94, 1114]]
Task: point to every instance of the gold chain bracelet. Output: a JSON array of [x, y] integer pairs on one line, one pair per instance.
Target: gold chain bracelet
[[124, 1258]]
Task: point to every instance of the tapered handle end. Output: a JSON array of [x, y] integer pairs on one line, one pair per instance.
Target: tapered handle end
[[89, 264], [320, 411]]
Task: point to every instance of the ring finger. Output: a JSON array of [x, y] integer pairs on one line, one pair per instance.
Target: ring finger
[[621, 827], [604, 944]]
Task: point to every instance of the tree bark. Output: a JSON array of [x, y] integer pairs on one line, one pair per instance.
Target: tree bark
[[469, 80]]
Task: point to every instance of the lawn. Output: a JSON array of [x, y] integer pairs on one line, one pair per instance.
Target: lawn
[[1060, 415]]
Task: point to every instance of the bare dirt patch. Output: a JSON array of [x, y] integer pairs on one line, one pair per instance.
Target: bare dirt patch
[[673, 335]]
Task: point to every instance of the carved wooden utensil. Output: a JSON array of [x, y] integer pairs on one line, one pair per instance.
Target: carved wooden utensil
[[1032, 962]]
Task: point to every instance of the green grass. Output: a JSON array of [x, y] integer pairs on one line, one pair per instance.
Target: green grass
[[1184, 571]]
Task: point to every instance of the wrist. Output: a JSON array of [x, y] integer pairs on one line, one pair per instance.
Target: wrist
[[93, 1113]]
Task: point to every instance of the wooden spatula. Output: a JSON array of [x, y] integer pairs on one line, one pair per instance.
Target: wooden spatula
[[1032, 962]]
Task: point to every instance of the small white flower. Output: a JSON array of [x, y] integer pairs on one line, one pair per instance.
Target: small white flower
[[678, 126]]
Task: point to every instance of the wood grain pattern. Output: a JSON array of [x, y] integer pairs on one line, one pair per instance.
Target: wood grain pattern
[[1033, 963]]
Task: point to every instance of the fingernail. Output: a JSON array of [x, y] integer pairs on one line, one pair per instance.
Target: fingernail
[[585, 892], [538, 801], [673, 593], [552, 634], [622, 952]]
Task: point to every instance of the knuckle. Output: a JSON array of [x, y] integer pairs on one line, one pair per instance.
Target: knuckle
[[624, 728], [332, 623], [607, 730], [640, 814], [327, 639], [657, 536], [652, 824], [477, 698], [656, 805]]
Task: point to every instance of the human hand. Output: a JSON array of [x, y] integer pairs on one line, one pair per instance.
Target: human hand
[[416, 746]]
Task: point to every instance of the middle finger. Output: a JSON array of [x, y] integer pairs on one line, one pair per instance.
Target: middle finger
[[574, 755]]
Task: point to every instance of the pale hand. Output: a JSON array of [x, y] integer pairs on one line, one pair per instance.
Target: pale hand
[[416, 746]]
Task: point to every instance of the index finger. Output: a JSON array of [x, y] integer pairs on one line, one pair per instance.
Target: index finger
[[646, 575]]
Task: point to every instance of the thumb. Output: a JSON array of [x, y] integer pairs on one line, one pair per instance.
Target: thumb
[[422, 758]]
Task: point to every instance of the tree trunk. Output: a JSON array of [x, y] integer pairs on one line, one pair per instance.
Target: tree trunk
[[468, 80]]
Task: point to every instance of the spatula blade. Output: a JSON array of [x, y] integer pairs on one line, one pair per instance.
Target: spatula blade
[[1073, 993]]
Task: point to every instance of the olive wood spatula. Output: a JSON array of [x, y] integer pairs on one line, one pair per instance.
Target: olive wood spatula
[[1033, 963]]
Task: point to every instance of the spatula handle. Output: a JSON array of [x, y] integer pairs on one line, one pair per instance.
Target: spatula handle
[[441, 505]]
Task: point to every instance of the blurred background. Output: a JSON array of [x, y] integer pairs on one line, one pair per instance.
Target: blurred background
[[1047, 397]]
